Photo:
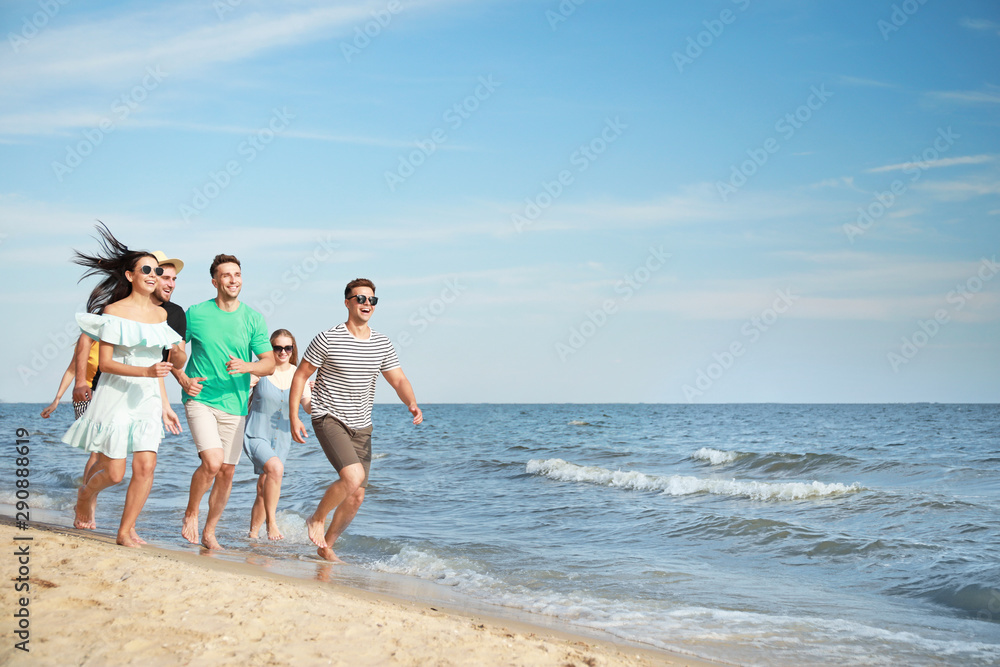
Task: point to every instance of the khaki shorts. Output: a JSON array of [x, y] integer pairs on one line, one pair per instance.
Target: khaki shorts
[[344, 445], [212, 428]]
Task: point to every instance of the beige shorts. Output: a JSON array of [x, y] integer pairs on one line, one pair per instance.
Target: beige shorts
[[212, 428], [344, 445]]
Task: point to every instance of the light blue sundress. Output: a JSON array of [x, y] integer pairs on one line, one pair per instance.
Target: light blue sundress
[[268, 430]]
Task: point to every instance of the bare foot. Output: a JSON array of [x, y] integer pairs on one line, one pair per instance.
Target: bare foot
[[316, 533], [209, 542], [135, 536], [326, 553], [85, 510], [254, 531], [273, 533], [190, 528], [125, 540]]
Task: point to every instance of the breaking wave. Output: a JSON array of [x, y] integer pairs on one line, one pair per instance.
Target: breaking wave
[[683, 485]]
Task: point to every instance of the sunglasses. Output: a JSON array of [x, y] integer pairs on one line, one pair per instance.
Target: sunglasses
[[362, 298], [147, 269], [287, 349]]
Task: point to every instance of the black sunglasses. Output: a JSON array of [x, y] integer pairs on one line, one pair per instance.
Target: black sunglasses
[[287, 348], [362, 298], [147, 269]]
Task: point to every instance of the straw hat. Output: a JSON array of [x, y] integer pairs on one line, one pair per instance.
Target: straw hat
[[161, 258]]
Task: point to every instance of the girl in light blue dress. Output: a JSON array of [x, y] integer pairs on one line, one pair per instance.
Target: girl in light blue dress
[[130, 402], [268, 436]]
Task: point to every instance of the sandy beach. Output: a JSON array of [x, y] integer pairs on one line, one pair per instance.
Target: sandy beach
[[92, 602]]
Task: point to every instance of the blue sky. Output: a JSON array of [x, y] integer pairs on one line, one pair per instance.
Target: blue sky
[[585, 201]]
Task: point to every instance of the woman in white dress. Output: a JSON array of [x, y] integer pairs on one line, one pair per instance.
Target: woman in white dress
[[131, 400]]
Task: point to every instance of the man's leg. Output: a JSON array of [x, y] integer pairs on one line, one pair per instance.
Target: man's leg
[[349, 451], [230, 433], [343, 516], [204, 427], [143, 465], [217, 500], [201, 480], [351, 478]]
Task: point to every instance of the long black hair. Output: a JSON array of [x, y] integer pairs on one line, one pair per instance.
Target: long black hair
[[111, 262]]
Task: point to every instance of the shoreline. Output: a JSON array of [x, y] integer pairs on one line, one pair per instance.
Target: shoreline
[[107, 604]]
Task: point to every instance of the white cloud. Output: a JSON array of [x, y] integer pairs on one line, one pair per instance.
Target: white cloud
[[842, 181], [831, 286], [104, 58], [980, 24], [859, 81], [698, 203], [934, 164], [989, 95], [49, 122], [959, 190]]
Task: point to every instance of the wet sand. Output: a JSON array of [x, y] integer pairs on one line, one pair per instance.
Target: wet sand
[[92, 602]]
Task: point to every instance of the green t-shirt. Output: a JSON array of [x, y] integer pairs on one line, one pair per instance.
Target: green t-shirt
[[214, 335]]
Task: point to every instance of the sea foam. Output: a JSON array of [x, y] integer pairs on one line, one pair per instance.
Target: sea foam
[[715, 456], [682, 485], [36, 500]]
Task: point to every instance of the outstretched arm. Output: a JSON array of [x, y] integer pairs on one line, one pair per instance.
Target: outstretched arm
[[81, 390], [67, 378], [302, 374], [397, 379]]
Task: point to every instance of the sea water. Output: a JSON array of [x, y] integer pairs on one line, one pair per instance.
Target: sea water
[[750, 534]]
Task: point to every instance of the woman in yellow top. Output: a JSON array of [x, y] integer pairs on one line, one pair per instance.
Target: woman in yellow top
[[79, 407]]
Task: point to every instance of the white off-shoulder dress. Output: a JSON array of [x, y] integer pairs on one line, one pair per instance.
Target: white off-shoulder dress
[[126, 413]]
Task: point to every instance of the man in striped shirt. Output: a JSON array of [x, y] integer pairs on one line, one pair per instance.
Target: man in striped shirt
[[349, 358]]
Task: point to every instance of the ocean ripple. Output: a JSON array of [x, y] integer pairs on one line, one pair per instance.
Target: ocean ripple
[[682, 485]]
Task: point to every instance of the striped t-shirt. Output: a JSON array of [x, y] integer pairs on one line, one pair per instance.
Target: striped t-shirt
[[348, 368]]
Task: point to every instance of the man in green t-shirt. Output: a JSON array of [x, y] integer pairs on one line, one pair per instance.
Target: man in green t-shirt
[[224, 335]]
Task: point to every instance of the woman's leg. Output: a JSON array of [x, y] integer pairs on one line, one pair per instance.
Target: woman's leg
[[104, 473], [89, 466], [257, 511], [143, 466], [274, 470]]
